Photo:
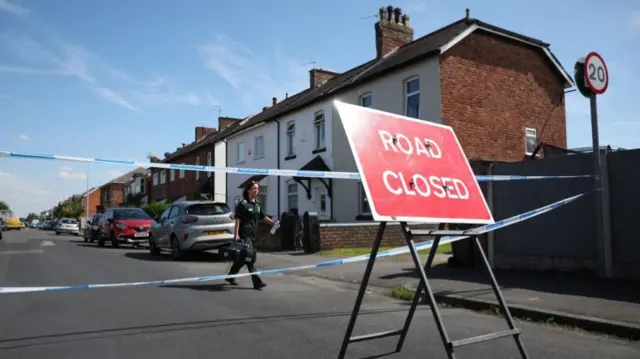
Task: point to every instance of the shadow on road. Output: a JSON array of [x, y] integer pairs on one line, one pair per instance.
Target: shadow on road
[[557, 283], [106, 246], [191, 257], [220, 287], [69, 337]]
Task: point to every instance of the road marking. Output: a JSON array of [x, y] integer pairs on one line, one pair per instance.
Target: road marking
[[47, 244], [30, 251]]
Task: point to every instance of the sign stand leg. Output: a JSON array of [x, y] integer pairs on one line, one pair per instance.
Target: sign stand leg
[[421, 286], [449, 345], [363, 287]]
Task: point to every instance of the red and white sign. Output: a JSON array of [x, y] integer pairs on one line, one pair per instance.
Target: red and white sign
[[412, 170], [596, 73]]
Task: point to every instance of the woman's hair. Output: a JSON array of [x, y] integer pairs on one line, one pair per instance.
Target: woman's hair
[[247, 188]]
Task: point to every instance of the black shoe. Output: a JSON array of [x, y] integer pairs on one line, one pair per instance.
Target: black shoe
[[259, 286], [231, 281]]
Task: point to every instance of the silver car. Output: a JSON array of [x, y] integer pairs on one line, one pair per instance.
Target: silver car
[[69, 226], [191, 226]]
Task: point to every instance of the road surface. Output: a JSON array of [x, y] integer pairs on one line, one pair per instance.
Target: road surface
[[294, 317]]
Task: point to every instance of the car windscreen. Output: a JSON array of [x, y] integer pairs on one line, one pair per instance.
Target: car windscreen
[[69, 221], [96, 219], [130, 214], [208, 209]]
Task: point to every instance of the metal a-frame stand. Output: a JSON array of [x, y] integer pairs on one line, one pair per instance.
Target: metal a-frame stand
[[449, 344]]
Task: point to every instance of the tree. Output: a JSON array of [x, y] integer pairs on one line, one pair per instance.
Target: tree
[[32, 216], [4, 206], [155, 209]]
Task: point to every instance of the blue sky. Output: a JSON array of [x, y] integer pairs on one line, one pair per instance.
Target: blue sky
[[120, 79]]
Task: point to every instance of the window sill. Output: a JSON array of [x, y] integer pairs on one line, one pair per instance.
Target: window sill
[[241, 162], [290, 157], [258, 157], [319, 150]]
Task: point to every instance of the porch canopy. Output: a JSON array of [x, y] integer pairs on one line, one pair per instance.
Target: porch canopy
[[316, 164]]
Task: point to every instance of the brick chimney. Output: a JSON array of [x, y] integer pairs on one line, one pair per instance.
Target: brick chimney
[[317, 77], [203, 131], [392, 30], [224, 122]]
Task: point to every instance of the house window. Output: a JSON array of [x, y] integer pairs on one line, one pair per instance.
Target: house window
[[366, 100], [197, 164], [142, 184], [240, 152], [318, 124], [172, 175], [259, 145], [531, 140], [363, 201], [209, 163], [323, 203], [412, 99], [155, 179], [262, 197], [291, 132], [292, 195], [163, 176], [182, 172]]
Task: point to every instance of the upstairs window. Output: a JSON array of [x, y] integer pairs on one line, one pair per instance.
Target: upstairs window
[[259, 146], [318, 124], [366, 100], [240, 152], [530, 140], [412, 98], [291, 132]]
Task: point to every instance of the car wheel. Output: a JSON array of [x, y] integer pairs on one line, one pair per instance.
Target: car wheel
[[114, 241], [176, 252], [153, 249], [57, 233], [100, 241]]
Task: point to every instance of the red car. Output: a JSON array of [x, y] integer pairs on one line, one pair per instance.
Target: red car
[[124, 225]]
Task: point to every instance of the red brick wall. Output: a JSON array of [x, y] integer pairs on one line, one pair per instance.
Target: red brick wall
[[358, 235], [181, 186], [492, 88], [94, 201]]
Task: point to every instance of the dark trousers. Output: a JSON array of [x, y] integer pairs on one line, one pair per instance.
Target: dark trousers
[[251, 266]]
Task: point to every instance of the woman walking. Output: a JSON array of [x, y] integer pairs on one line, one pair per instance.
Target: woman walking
[[248, 212]]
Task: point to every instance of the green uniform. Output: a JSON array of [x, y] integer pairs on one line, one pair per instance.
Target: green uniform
[[249, 213]]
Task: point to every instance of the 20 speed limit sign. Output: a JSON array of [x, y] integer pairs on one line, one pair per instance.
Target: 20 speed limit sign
[[596, 73]]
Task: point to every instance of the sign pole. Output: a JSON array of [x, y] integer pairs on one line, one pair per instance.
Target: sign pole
[[592, 79]]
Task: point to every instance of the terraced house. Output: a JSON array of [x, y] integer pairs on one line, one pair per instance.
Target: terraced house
[[207, 149], [502, 92]]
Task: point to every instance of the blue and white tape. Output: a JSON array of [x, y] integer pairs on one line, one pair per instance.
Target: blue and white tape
[[251, 171], [388, 253]]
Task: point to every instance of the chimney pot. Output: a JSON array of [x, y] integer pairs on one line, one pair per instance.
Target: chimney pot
[[275, 101], [265, 108], [393, 30]]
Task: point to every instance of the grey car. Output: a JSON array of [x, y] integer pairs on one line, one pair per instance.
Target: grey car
[[192, 226], [68, 226]]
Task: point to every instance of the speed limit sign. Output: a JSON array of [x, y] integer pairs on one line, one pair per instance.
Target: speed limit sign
[[596, 73]]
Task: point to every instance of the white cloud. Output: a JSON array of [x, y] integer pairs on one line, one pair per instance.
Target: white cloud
[[13, 8], [23, 137], [257, 77], [53, 55], [26, 195], [69, 174]]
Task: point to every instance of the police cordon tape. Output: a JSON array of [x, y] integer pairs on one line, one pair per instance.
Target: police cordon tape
[[251, 171], [361, 258]]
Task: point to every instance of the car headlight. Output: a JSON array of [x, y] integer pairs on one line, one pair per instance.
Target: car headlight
[[121, 226]]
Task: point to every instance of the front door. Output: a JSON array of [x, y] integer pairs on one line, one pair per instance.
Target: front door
[[322, 202]]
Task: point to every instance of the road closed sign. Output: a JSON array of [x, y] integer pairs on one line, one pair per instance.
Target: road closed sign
[[412, 170]]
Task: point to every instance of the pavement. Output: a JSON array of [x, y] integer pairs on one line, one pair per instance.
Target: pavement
[[603, 306], [294, 317]]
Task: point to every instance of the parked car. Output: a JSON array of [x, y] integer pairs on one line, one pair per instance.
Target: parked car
[[91, 230], [192, 226], [68, 226], [124, 225], [12, 223]]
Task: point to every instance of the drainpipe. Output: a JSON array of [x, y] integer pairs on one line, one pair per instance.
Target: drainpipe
[[278, 166], [226, 175]]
